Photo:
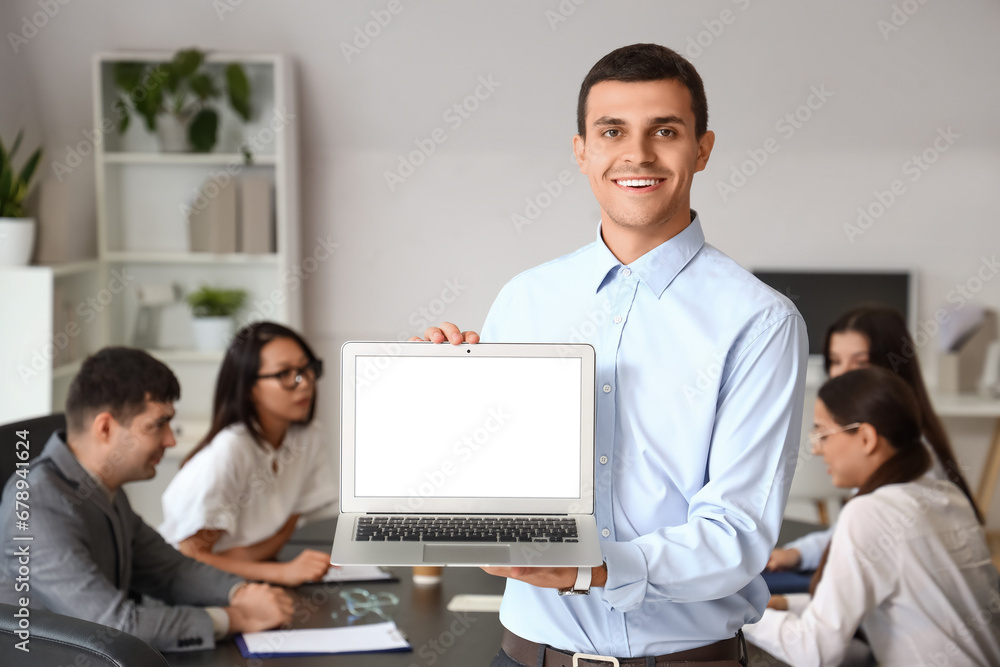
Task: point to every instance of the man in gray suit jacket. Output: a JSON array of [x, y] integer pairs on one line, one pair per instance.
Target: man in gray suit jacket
[[90, 555]]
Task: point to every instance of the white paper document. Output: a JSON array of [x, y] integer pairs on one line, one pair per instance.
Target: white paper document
[[356, 573], [350, 639]]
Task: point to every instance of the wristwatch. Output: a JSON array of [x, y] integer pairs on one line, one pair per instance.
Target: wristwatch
[[582, 584]]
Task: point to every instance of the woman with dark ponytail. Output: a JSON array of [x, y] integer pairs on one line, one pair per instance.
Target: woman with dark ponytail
[[861, 337], [263, 464], [908, 562]]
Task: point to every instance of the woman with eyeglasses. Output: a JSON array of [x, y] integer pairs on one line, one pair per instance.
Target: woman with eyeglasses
[[908, 562], [862, 337], [263, 464]]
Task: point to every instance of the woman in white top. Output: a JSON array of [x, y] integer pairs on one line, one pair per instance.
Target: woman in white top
[[908, 561], [873, 336], [264, 463]]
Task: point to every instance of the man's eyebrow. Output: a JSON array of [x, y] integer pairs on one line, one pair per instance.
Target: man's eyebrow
[[667, 120], [659, 120]]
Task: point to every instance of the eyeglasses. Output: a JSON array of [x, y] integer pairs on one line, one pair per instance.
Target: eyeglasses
[[290, 378], [816, 438]]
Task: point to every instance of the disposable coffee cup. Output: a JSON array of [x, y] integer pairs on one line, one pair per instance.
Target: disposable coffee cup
[[426, 575]]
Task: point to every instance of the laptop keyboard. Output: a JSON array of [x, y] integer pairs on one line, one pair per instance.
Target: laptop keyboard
[[465, 529]]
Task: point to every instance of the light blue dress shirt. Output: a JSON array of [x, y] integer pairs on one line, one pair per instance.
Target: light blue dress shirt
[[700, 377]]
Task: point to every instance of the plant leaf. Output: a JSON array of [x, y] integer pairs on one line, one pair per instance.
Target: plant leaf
[[15, 146], [29, 169], [203, 130], [128, 75], [6, 179], [239, 89], [124, 119], [203, 86], [185, 62]]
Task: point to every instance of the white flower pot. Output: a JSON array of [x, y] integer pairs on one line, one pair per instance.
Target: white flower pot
[[17, 240], [172, 134], [212, 333]]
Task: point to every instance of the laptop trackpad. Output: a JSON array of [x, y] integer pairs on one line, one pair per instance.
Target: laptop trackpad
[[487, 554]]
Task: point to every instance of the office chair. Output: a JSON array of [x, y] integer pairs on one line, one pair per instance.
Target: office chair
[[61, 640], [39, 430]]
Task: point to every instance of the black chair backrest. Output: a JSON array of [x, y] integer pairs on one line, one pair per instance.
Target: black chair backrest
[[54, 639], [38, 432]]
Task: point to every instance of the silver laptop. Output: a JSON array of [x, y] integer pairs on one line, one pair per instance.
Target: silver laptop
[[478, 455]]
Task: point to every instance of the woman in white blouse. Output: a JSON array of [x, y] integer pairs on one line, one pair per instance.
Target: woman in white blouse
[[908, 562], [861, 337], [264, 463]]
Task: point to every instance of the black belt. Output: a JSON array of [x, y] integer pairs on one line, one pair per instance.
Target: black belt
[[723, 653]]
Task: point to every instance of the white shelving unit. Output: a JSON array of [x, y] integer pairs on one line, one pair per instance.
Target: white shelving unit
[[142, 225], [54, 316]]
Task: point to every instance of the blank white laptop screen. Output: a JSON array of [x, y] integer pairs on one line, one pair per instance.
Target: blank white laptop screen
[[481, 427]]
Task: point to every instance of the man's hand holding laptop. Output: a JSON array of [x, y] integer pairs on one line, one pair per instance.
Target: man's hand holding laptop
[[540, 577]]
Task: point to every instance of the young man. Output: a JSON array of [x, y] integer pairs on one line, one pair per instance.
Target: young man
[[700, 372], [90, 555]]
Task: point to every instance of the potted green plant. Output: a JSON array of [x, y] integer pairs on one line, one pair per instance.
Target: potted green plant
[[213, 309], [175, 99], [17, 233]]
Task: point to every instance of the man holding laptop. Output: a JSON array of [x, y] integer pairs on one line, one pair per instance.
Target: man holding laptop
[[699, 373]]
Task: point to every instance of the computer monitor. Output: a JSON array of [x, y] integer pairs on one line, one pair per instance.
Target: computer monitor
[[824, 295]]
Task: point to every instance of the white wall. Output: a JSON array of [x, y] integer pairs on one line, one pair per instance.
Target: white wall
[[450, 222]]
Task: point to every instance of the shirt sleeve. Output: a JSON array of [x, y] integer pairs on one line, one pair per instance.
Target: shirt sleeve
[[320, 487], [811, 547], [852, 584], [733, 520], [205, 493]]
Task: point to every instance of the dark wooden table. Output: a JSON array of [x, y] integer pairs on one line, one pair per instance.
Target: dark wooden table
[[439, 637]]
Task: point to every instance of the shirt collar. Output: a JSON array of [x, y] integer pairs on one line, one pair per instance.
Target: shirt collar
[[658, 267]]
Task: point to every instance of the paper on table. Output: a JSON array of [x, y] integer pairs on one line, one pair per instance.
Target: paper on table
[[321, 641], [356, 573], [466, 602]]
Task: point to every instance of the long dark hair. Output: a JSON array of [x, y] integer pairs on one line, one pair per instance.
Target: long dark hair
[[876, 396], [233, 402], [890, 346]]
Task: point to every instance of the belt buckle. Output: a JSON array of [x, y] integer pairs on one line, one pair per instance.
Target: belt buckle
[[577, 657]]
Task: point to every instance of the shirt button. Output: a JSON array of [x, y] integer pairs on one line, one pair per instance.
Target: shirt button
[[604, 460], [626, 272], [607, 388], [618, 319], [606, 533]]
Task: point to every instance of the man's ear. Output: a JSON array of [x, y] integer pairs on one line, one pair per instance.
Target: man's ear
[[705, 145], [580, 151], [102, 427]]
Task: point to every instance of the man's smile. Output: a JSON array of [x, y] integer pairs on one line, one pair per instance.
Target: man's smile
[[638, 184]]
